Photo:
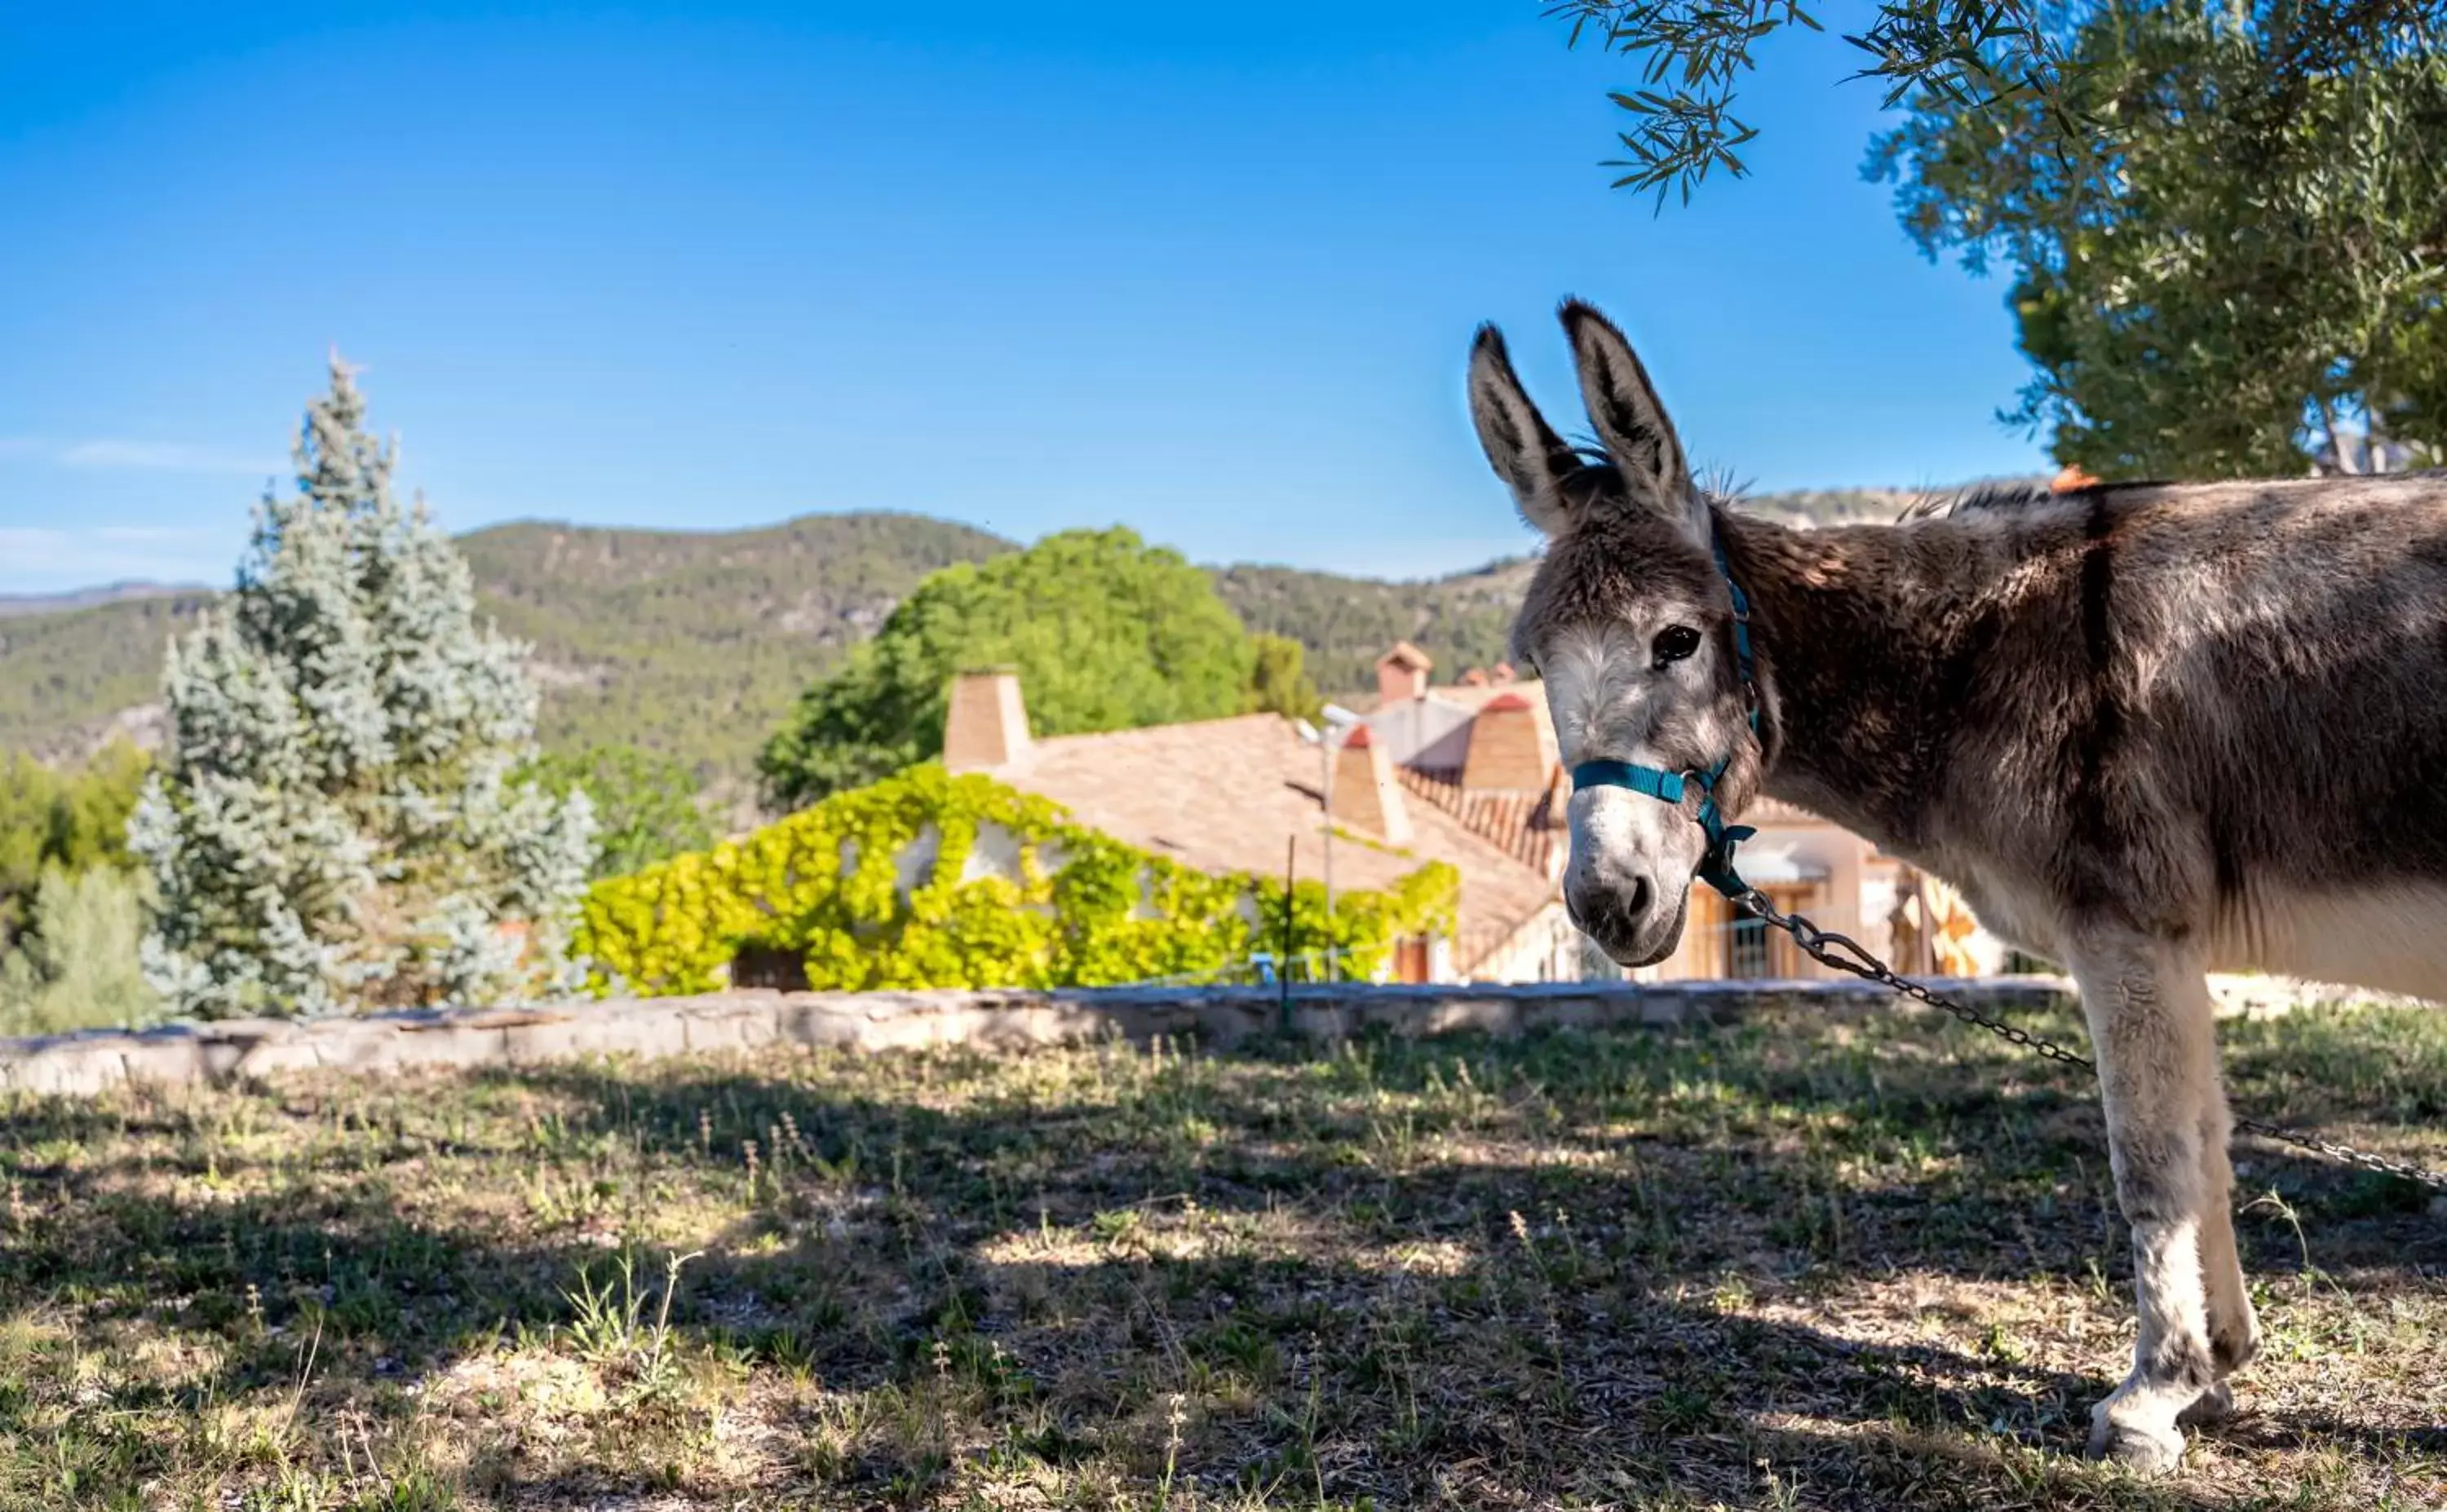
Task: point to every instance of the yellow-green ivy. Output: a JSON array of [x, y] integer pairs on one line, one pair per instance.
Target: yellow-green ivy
[[1085, 910]]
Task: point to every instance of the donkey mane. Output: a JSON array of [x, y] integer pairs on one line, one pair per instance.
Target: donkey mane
[[1957, 502], [1975, 498], [1596, 482]]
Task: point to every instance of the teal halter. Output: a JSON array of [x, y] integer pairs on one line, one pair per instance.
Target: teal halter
[[1716, 864]]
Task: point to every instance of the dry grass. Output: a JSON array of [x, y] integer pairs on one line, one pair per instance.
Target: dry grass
[[1792, 1263]]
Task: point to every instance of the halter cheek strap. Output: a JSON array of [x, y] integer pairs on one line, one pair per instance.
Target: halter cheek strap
[[1716, 864]]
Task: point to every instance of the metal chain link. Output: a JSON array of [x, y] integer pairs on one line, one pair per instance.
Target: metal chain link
[[1846, 954]]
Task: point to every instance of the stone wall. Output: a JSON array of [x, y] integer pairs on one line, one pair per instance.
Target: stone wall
[[749, 1020]]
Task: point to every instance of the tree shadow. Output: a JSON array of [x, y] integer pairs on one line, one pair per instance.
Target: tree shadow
[[1462, 1271]]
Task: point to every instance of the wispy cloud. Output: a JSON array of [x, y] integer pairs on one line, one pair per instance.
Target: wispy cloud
[[115, 454]]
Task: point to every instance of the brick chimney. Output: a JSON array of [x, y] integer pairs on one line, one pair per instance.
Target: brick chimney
[[988, 724], [1366, 797], [1510, 747], [1402, 674]]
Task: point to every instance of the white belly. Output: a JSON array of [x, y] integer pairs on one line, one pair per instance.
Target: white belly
[[2390, 939]]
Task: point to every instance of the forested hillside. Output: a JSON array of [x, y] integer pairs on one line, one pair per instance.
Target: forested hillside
[[694, 643], [66, 679], [1346, 623]]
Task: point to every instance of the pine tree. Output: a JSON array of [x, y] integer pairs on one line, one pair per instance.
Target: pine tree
[[336, 824]]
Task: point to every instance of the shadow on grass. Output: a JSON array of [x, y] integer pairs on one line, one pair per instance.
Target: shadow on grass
[[1594, 1268]]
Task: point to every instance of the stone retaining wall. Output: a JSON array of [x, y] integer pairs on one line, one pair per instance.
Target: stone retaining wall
[[748, 1020]]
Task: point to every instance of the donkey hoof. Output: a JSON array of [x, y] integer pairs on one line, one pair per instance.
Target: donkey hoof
[[2215, 1404], [2134, 1448], [2233, 1351]]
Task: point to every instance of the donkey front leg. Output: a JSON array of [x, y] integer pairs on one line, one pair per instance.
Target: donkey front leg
[[2148, 1006]]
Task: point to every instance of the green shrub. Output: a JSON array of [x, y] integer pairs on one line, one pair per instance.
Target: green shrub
[[1278, 681], [1084, 910], [646, 806], [77, 966], [68, 820]]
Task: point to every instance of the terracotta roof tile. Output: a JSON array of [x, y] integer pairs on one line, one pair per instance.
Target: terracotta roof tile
[[1527, 826]]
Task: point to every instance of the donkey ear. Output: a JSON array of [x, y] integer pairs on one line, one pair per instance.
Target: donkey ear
[[1525, 451], [1624, 412]]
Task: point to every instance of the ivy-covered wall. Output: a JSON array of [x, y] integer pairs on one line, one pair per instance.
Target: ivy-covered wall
[[927, 880]]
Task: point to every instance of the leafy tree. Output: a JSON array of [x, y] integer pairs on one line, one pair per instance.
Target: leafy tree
[[1967, 54], [2248, 279], [1105, 632], [335, 823], [857, 726], [77, 966], [646, 806], [1278, 682], [62, 820]]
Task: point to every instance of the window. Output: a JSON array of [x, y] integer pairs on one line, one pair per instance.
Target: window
[[1746, 949], [1751, 950]]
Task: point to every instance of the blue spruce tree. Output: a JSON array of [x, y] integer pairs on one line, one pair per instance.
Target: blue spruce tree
[[334, 824]]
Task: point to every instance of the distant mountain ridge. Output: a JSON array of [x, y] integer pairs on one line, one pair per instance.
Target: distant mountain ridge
[[91, 598], [696, 643]]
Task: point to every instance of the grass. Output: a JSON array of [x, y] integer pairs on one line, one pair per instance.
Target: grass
[[1796, 1262]]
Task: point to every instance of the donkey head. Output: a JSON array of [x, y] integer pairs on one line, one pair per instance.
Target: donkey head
[[1629, 624]]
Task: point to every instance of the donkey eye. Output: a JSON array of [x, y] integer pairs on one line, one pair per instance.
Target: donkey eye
[[1673, 643]]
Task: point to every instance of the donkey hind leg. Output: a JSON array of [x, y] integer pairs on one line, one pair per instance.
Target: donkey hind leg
[[2147, 1007], [2234, 1330]]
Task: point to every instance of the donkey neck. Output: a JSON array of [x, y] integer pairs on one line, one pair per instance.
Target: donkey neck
[[1864, 638]]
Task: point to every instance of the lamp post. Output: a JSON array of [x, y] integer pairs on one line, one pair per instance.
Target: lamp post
[[1339, 722]]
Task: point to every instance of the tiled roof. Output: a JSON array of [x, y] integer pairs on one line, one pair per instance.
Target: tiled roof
[[1225, 795], [1527, 826], [1479, 696]]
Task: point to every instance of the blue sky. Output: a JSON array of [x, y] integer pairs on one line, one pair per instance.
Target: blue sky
[[1210, 271]]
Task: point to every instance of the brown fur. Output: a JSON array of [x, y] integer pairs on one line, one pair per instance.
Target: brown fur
[[2148, 730]]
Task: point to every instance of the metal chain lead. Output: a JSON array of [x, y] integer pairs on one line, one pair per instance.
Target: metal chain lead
[[1846, 954]]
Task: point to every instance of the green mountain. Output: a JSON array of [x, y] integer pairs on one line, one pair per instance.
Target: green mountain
[[694, 643], [1462, 621], [70, 679]]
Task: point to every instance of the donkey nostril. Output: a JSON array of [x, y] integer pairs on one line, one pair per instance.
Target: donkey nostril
[[1637, 903]]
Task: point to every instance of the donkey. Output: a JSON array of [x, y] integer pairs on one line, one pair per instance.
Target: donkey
[[2148, 730]]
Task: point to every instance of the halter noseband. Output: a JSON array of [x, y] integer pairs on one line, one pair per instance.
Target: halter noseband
[[1716, 864]]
